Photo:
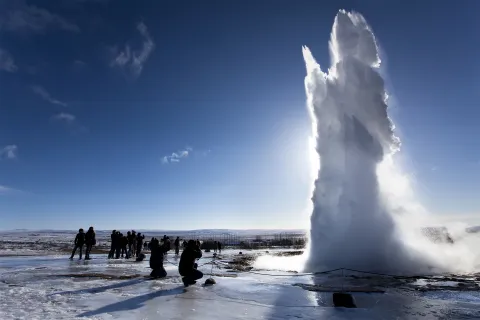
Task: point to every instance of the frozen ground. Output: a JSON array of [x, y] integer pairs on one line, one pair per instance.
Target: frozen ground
[[47, 242], [52, 287]]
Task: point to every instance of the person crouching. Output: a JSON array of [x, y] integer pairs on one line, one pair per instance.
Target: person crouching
[[156, 260], [187, 266]]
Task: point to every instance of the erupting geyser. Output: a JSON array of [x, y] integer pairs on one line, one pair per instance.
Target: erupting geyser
[[365, 215], [351, 226]]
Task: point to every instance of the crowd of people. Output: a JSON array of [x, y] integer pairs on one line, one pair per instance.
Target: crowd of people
[[126, 246], [132, 244]]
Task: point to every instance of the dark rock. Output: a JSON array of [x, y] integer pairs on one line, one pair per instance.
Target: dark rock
[[342, 299], [210, 281]]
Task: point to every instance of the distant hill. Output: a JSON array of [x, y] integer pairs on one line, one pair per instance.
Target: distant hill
[[199, 232], [473, 229]]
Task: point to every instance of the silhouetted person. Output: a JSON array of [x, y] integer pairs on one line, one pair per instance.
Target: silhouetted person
[[134, 245], [219, 246], [124, 243], [156, 259], [118, 244], [79, 242], [130, 243], [215, 246], [149, 246], [199, 244], [184, 244], [140, 238], [113, 243], [177, 246], [187, 266], [167, 244], [90, 241]]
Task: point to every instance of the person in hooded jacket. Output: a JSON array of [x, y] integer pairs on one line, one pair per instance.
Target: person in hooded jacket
[[156, 259], [79, 242], [187, 266], [90, 241]]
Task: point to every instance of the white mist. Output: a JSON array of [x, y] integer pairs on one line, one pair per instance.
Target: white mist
[[364, 213]]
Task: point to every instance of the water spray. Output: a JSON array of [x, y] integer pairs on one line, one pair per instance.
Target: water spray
[[363, 213]]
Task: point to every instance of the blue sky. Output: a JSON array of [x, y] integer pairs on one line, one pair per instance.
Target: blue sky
[[191, 114]]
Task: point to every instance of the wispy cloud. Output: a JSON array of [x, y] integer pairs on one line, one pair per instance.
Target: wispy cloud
[[177, 156], [46, 96], [134, 60], [9, 152], [64, 117], [6, 61], [20, 16], [70, 122], [5, 191]]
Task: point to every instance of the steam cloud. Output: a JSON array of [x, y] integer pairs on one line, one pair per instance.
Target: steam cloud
[[351, 225], [365, 214]]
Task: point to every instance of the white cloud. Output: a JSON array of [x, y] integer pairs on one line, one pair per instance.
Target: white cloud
[[70, 122], [5, 190], [46, 96], [177, 156], [134, 60], [6, 61], [64, 117], [19, 16], [9, 152]]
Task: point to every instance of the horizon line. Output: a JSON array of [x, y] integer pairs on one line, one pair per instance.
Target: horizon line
[[165, 230]]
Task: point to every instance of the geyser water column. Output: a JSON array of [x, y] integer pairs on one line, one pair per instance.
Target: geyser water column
[[350, 225]]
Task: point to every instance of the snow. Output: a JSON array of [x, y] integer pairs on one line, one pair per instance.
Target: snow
[[51, 287]]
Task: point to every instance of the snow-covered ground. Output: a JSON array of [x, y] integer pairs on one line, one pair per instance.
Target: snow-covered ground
[[47, 242], [52, 287]]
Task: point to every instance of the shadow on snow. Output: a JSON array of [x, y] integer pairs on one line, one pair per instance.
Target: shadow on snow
[[132, 303], [101, 289]]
